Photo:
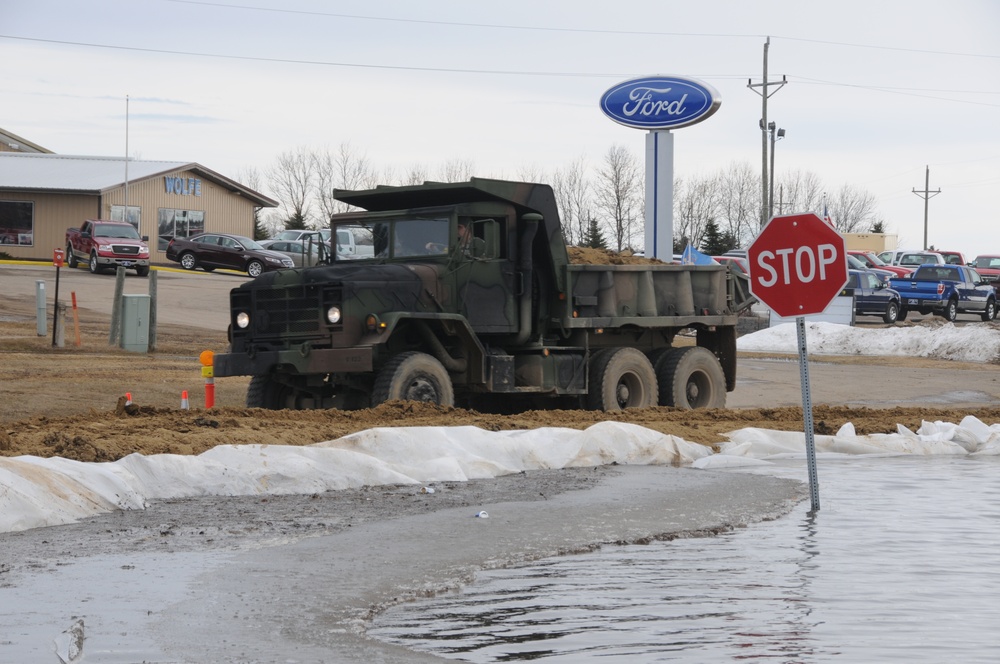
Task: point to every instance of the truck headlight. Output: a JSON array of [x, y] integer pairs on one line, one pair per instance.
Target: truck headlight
[[243, 320], [333, 315]]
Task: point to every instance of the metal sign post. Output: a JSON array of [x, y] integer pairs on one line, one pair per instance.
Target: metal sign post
[[57, 260], [798, 266], [807, 414]]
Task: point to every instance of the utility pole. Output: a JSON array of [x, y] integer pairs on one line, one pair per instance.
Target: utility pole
[[926, 194], [765, 201]]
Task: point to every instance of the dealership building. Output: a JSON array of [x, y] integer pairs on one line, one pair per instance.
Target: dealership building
[[42, 194]]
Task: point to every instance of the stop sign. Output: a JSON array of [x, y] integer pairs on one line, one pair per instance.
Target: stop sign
[[798, 264]]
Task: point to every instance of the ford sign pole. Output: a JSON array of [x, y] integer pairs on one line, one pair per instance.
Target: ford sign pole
[[659, 104]]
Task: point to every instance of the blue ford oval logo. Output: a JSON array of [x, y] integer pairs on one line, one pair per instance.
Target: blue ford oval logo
[[660, 102]]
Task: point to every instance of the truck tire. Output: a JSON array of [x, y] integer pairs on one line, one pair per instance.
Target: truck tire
[[692, 378], [621, 378], [71, 257], [891, 314], [188, 261], [95, 267], [264, 392], [950, 311], [903, 313], [413, 376], [990, 312], [142, 271]]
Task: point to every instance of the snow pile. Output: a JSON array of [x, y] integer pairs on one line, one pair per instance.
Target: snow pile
[[43, 492], [966, 343], [753, 446]]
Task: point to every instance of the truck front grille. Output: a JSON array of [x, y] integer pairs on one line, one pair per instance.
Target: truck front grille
[[289, 312], [125, 249]]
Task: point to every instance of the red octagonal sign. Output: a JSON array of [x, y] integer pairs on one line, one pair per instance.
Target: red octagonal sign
[[798, 264]]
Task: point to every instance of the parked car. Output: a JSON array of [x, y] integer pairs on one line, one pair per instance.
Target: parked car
[[219, 250], [874, 262], [872, 297], [854, 263], [911, 257], [947, 290], [952, 257], [736, 263], [299, 234], [303, 254], [988, 267]]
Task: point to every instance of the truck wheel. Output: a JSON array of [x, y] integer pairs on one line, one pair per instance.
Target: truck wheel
[[95, 267], [692, 378], [903, 313], [950, 312], [891, 314], [621, 378], [990, 312], [71, 257], [413, 376], [264, 392], [188, 261], [142, 271], [255, 268]]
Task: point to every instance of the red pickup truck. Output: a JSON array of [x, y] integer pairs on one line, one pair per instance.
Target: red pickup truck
[[103, 244]]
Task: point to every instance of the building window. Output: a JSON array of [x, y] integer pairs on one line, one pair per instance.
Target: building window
[[134, 214], [17, 223], [178, 223]]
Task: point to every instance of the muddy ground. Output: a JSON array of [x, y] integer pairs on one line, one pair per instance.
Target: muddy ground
[[65, 401]]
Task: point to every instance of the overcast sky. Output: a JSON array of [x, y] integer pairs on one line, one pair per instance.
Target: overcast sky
[[877, 90]]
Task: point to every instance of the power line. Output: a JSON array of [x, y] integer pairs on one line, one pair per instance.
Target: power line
[[601, 31]]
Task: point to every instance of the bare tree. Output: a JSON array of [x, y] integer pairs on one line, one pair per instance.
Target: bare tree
[[618, 195], [415, 174], [852, 210], [344, 169], [458, 170], [739, 202], [252, 178], [798, 191], [572, 191], [291, 178], [696, 202]]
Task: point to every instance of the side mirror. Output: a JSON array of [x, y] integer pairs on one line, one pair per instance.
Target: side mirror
[[145, 238]]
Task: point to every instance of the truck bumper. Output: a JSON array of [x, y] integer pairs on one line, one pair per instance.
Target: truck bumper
[[128, 262], [333, 360], [922, 303]]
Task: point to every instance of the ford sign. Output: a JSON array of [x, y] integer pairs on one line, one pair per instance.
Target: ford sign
[[660, 102]]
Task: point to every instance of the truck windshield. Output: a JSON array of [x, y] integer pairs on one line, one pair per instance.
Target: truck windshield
[[106, 230], [396, 238]]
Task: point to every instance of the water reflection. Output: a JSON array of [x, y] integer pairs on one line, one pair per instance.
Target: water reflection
[[898, 566]]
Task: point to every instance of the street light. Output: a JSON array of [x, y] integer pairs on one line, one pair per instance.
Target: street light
[[776, 135]]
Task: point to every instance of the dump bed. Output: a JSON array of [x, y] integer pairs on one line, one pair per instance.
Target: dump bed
[[651, 296]]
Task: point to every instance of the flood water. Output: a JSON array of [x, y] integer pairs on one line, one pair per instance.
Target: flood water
[[900, 564]]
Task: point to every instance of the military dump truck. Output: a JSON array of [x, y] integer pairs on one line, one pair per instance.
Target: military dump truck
[[468, 298]]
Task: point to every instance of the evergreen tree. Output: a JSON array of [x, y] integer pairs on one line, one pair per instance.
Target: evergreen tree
[[593, 237], [259, 229], [878, 227], [296, 222], [713, 242]]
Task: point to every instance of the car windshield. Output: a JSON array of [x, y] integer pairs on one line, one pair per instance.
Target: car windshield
[[108, 230]]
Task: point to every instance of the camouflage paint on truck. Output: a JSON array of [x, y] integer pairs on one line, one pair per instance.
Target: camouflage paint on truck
[[501, 321]]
